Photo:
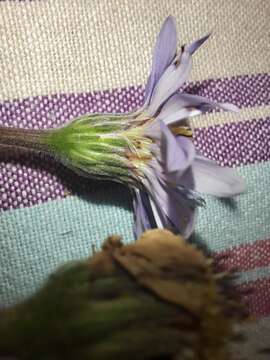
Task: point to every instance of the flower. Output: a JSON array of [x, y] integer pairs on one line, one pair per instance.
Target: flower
[[177, 174], [124, 299], [150, 150]]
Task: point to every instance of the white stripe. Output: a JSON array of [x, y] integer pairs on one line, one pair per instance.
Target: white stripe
[[156, 215], [76, 45], [253, 275], [219, 118], [257, 337]]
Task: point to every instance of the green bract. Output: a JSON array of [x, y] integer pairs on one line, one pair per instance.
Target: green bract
[[107, 146]]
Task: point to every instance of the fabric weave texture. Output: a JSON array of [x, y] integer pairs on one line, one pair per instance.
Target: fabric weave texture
[[60, 59]]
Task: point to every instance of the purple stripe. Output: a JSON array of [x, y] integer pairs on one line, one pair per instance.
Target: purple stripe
[[243, 91], [25, 182], [236, 144], [54, 110]]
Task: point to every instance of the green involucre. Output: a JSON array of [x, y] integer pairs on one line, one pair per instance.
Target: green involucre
[[95, 145]]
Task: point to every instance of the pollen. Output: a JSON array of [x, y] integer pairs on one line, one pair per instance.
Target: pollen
[[182, 130]]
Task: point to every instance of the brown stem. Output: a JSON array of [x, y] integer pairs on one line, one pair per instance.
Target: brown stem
[[28, 139]]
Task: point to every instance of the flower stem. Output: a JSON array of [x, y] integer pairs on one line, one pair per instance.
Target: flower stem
[[24, 139]]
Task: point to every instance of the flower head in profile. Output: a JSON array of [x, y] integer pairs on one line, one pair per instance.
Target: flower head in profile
[[151, 150], [177, 175]]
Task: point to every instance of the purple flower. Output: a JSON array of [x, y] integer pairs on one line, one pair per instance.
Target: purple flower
[[149, 150], [176, 175]]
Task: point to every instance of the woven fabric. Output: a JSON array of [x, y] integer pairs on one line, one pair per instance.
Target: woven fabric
[[35, 240], [237, 143], [78, 45], [60, 59], [253, 333]]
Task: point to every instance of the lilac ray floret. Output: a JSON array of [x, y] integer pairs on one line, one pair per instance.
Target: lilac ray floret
[[192, 196], [182, 106], [164, 53], [142, 211], [196, 44], [174, 76], [176, 210], [212, 179], [175, 157]]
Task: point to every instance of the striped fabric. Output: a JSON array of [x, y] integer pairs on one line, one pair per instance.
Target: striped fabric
[[60, 59]]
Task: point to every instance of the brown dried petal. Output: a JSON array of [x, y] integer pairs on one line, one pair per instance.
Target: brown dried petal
[[165, 264]]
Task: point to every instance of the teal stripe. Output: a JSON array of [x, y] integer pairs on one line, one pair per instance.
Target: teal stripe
[[252, 275], [225, 224], [33, 241]]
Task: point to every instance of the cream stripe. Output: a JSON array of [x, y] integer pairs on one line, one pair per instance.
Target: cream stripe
[[257, 338], [218, 118], [76, 45]]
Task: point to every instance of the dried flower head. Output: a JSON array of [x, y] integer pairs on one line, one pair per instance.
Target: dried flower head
[[158, 298]]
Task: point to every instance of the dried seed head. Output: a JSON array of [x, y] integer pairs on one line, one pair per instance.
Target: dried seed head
[[157, 298]]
